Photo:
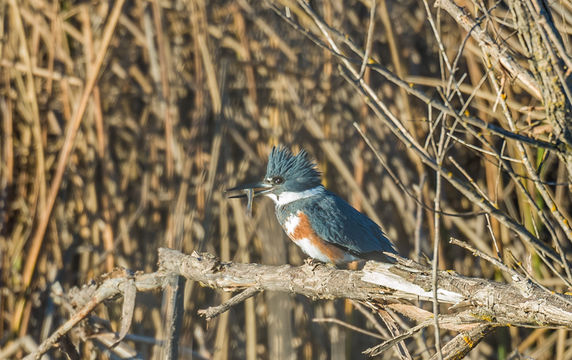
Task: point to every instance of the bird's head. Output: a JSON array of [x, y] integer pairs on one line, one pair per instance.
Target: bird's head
[[287, 176]]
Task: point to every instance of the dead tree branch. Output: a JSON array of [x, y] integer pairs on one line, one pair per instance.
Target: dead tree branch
[[486, 304], [521, 303], [85, 300]]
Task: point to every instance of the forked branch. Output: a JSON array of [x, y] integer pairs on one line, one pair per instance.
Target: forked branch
[[482, 302]]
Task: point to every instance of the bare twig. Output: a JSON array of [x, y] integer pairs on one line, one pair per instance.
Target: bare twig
[[369, 39], [488, 44], [214, 311], [349, 326]]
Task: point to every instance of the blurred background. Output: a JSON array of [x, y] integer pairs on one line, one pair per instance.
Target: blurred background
[[123, 122]]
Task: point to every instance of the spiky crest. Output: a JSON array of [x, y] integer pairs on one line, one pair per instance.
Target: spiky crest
[[299, 171]]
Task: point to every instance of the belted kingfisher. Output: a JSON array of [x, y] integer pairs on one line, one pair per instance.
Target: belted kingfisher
[[322, 224]]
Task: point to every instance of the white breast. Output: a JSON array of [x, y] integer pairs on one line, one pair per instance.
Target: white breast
[[312, 251], [291, 224]]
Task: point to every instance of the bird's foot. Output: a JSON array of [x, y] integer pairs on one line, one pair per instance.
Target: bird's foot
[[312, 263]]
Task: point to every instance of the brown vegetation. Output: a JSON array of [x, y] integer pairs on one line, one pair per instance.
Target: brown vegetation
[[122, 122]]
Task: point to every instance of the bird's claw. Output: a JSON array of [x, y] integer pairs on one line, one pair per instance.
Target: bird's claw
[[312, 263]]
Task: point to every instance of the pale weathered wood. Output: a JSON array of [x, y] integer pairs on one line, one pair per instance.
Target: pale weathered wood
[[522, 303], [486, 303]]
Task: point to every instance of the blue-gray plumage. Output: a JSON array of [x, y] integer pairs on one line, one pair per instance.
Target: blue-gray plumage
[[337, 222], [324, 225]]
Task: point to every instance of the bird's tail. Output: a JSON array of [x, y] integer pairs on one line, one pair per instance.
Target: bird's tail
[[379, 274]]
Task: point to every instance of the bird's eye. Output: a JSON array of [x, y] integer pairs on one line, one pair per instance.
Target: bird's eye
[[277, 180]]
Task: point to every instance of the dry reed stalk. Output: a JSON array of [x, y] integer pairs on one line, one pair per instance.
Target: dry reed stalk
[[138, 115]]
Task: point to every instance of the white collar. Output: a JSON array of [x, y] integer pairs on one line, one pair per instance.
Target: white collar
[[287, 197]]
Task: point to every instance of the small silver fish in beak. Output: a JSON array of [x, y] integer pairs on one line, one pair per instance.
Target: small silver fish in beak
[[250, 191]]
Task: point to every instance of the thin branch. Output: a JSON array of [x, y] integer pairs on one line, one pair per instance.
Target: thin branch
[[488, 44], [481, 124], [89, 297], [349, 326], [369, 40], [214, 311]]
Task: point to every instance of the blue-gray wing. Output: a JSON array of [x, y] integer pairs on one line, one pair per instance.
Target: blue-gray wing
[[337, 222]]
